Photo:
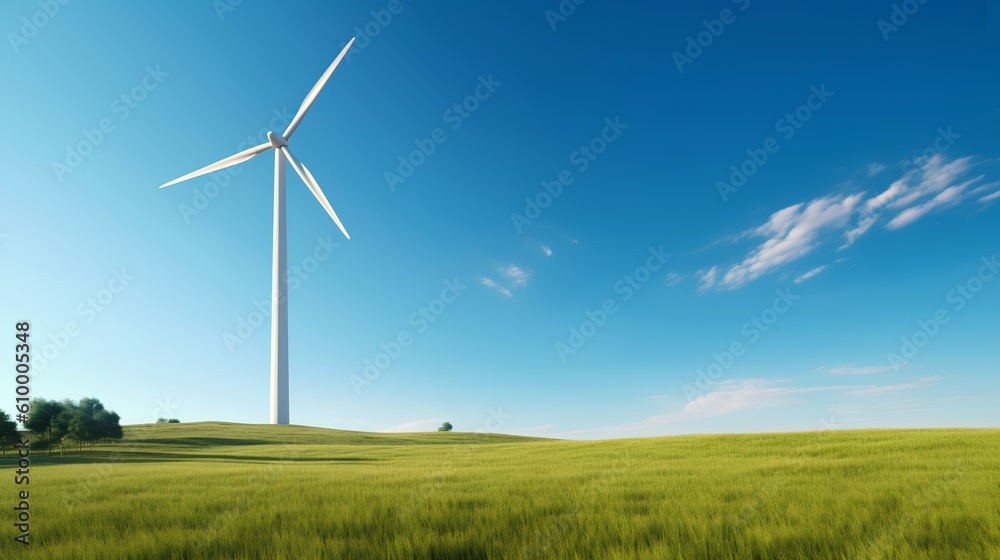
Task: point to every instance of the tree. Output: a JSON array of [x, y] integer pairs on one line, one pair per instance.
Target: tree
[[8, 431], [90, 406], [41, 415], [173, 421], [108, 425], [161, 420], [446, 427]]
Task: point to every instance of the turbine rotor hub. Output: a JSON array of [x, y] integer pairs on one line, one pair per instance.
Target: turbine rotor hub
[[276, 140]]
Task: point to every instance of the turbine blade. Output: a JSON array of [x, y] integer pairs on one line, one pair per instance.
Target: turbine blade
[[310, 182], [314, 92], [222, 164]]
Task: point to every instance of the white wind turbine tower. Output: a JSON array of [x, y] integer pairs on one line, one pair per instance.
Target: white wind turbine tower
[[279, 297]]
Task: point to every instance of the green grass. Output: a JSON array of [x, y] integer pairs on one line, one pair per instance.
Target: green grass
[[213, 490]]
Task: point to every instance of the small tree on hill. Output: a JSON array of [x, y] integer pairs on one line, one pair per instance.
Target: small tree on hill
[[173, 421], [446, 427]]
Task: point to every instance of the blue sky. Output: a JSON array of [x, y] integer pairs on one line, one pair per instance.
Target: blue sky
[[729, 216]]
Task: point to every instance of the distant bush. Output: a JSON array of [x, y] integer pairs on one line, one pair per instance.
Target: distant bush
[[173, 421], [446, 427]]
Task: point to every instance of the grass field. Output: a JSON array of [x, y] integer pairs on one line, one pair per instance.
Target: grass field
[[213, 490]]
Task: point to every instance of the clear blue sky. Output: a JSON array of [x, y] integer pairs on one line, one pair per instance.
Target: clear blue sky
[[774, 298]]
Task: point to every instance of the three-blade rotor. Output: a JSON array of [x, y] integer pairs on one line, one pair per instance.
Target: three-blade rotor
[[281, 143]]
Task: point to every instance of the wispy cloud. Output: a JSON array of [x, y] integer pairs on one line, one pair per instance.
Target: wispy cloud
[[511, 277], [734, 395], [658, 396], [673, 278], [490, 283], [790, 234], [874, 169], [545, 249], [803, 277], [800, 229], [539, 428], [707, 278], [884, 389], [517, 276], [990, 197], [746, 394], [935, 175], [423, 425], [945, 198]]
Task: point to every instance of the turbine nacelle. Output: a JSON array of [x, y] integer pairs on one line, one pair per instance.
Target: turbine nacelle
[[277, 141]]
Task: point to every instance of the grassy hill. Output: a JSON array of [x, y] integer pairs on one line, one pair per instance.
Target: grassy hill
[[216, 490]]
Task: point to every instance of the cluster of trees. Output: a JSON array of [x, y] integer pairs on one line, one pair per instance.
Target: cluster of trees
[[166, 421], [86, 422]]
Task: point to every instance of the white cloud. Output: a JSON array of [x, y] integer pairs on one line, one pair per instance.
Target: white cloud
[[746, 394], [517, 276], [658, 396], [424, 425], [490, 283], [545, 249], [796, 231], [883, 389], [513, 277], [990, 197], [874, 169], [802, 278], [734, 395], [539, 428], [934, 176], [947, 197], [707, 278], [673, 278], [791, 233]]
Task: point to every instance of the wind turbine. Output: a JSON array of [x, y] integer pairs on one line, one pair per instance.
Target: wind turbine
[[279, 269]]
